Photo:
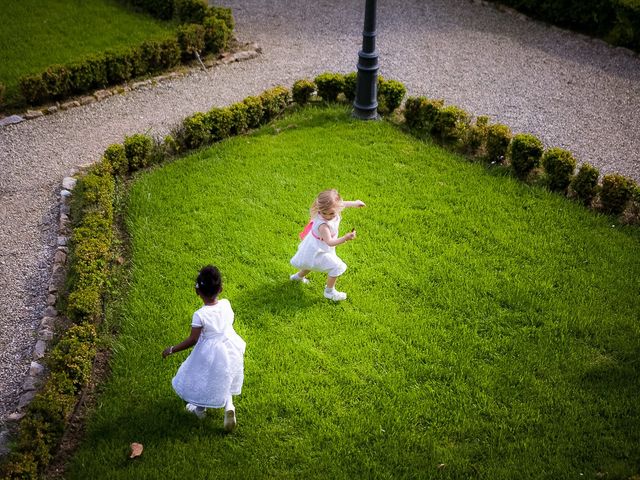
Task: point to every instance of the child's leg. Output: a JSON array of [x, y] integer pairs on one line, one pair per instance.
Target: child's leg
[[331, 293], [229, 403], [229, 415], [300, 276]]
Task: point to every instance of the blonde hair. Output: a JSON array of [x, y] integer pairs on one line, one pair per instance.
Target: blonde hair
[[328, 204]]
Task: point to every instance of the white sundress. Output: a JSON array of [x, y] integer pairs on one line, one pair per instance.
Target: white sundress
[[215, 367], [313, 254]]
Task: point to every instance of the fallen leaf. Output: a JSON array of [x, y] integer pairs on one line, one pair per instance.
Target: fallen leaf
[[136, 450], [441, 466]]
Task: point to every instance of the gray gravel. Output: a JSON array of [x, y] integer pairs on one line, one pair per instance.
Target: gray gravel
[[571, 91]]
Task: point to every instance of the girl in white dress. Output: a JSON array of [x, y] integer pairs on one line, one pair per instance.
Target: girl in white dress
[[317, 251], [214, 371]]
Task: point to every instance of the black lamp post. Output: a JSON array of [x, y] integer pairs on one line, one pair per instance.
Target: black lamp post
[[365, 107]]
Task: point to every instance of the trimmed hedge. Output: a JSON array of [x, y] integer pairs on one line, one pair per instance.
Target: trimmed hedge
[[208, 31], [329, 85], [191, 40], [559, 165], [617, 21], [390, 94], [615, 193], [302, 91], [525, 153], [585, 183]]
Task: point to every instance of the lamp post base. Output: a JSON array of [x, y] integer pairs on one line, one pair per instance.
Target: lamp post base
[[365, 113]]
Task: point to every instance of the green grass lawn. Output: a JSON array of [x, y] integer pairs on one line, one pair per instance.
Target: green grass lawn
[[36, 34], [490, 326]]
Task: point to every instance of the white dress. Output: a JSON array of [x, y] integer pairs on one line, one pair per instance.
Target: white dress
[[313, 254], [215, 367]]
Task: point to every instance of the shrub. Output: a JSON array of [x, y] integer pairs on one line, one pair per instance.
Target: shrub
[[239, 117], [476, 137], [88, 74], [152, 52], [74, 354], [329, 86], [216, 34], [57, 79], [451, 123], [33, 88], [390, 94], [350, 84], [559, 165], [615, 193], [195, 131], [2, 90], [585, 183], [119, 66], [169, 53], [223, 13], [254, 111], [498, 138], [525, 152], [220, 121], [302, 91], [190, 11], [420, 113], [137, 149], [139, 63], [116, 156], [191, 40], [274, 101]]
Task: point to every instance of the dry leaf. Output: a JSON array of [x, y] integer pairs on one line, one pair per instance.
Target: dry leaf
[[136, 450], [441, 466]]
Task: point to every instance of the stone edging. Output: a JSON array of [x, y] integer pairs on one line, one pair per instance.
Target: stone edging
[[244, 52], [50, 317]]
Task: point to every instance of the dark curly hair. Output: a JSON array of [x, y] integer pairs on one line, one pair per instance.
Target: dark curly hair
[[209, 281]]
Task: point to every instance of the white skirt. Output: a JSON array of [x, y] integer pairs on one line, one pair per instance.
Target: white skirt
[[315, 255], [212, 372]]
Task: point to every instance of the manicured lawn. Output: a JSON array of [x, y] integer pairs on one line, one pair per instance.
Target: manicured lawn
[[36, 34], [491, 328]]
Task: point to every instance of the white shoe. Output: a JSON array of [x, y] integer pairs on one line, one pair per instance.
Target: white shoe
[[230, 420], [335, 295], [197, 411], [296, 278]]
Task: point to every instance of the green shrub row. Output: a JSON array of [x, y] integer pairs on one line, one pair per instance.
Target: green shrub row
[[330, 86], [202, 129], [210, 34], [617, 21], [183, 11], [523, 153]]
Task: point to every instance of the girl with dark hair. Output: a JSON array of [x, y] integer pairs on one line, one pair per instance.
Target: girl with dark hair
[[214, 370]]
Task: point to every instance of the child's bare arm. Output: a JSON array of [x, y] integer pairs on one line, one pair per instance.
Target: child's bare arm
[[325, 236], [353, 203], [188, 342]]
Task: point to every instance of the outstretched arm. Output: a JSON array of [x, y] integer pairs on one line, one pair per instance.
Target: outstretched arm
[[353, 203], [188, 342]]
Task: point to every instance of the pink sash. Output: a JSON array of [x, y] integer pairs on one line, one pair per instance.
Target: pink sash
[[306, 230]]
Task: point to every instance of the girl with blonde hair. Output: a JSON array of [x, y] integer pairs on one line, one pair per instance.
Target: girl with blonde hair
[[317, 250]]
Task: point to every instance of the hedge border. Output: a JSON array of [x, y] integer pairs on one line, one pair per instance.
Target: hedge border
[[209, 32], [92, 216]]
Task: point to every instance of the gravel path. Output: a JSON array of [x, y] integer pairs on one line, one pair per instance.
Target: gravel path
[[570, 91]]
